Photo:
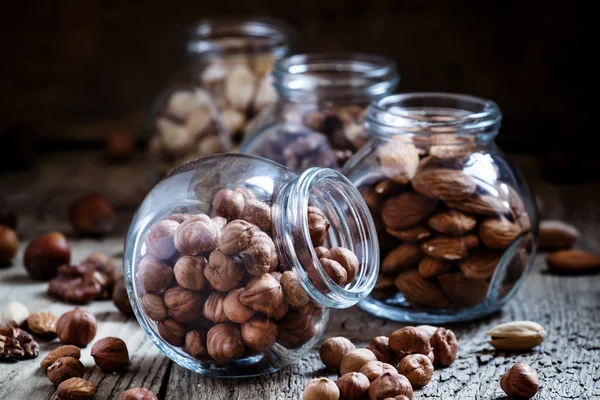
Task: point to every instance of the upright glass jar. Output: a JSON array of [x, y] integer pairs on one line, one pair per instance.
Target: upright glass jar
[[227, 82], [456, 221], [318, 120], [232, 262]]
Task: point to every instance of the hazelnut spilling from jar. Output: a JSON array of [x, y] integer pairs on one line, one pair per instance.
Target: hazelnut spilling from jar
[[216, 287]]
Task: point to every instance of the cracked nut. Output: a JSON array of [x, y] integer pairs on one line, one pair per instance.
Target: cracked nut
[[333, 350], [62, 351], [417, 368], [444, 346], [409, 340], [321, 389], [380, 347], [75, 389], [354, 360], [353, 386], [43, 324], [374, 369], [77, 327], [520, 381], [517, 335], [65, 368], [224, 342], [390, 384], [110, 354], [137, 394], [45, 254]]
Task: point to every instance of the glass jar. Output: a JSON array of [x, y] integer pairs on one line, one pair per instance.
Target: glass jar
[[318, 119], [232, 262], [456, 222], [227, 82]]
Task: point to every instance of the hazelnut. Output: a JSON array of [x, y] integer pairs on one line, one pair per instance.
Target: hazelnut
[[409, 340], [333, 350], [195, 344], [246, 192], [43, 324], [444, 346], [520, 381], [262, 294], [154, 307], [346, 258], [380, 347], [61, 351], [295, 330], [220, 221], [137, 394], [223, 272], [110, 354], [120, 297], [417, 368], [277, 275], [119, 146], [374, 369], [428, 329], [233, 308], [160, 239], [65, 368], [293, 290], [154, 275], [213, 308], [258, 213], [281, 312], [185, 305], [260, 256], [259, 333], [353, 386], [45, 254], [75, 389], [228, 204], [196, 235], [334, 270], [321, 389], [390, 385], [92, 215], [317, 226], [236, 236], [77, 327], [189, 272], [320, 251], [311, 308], [13, 314], [354, 360], [9, 245], [172, 332], [224, 342], [177, 217]]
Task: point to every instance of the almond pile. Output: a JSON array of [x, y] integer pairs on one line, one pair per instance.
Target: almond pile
[[443, 225]]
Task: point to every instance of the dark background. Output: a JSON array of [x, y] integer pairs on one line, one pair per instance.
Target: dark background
[[73, 71]]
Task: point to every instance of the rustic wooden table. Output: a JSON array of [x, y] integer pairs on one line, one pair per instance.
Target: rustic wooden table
[[569, 307]]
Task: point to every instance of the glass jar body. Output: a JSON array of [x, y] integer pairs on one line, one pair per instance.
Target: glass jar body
[[457, 223], [222, 271], [206, 108]]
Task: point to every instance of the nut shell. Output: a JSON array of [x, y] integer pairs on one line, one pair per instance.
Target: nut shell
[[260, 256], [346, 258], [228, 204], [317, 226], [110, 354], [77, 327], [65, 368], [263, 294], [213, 308], [195, 344], [258, 213], [172, 332], [293, 290], [332, 351], [334, 270], [236, 236], [223, 272]]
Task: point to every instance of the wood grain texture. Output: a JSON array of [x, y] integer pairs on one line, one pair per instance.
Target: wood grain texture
[[568, 361]]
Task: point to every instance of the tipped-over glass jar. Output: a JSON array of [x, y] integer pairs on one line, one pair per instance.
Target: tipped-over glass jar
[[227, 82], [317, 121], [457, 225], [232, 262]]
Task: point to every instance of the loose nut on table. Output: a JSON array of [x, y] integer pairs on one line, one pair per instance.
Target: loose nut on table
[[62, 351], [77, 327], [380, 347], [520, 381], [354, 360], [409, 340], [75, 389], [120, 297], [43, 324], [9, 245], [333, 350], [573, 262], [390, 385], [137, 394], [517, 335], [16, 344], [321, 389], [110, 354], [13, 314], [374, 369], [445, 346], [353, 385], [417, 368], [65, 368], [92, 215], [44, 254], [557, 235]]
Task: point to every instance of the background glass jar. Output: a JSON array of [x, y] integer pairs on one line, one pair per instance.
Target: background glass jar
[[227, 82], [456, 221], [232, 262], [318, 119]]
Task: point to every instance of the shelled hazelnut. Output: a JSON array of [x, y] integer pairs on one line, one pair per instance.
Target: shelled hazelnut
[[77, 327], [137, 394], [92, 215], [332, 351], [9, 245], [321, 389], [353, 386], [120, 297], [110, 354], [65, 368], [44, 254], [390, 385], [354, 360]]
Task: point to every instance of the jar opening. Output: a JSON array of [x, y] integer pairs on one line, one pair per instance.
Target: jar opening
[[426, 114], [351, 227], [218, 37], [335, 76]]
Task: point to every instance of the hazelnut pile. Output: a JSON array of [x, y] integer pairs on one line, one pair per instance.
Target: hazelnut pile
[[215, 285], [215, 111], [389, 367], [443, 229]]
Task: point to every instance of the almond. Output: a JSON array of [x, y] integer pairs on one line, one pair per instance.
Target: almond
[[573, 262], [401, 258], [430, 267], [373, 200], [419, 291], [449, 248], [75, 389], [62, 351], [452, 222], [444, 184], [556, 235], [482, 205], [480, 265], [388, 187], [498, 234], [462, 291], [406, 210], [447, 146], [414, 234], [42, 323], [399, 161], [517, 335]]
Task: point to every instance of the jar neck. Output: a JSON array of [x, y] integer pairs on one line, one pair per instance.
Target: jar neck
[[351, 226], [458, 117], [345, 78], [230, 37]]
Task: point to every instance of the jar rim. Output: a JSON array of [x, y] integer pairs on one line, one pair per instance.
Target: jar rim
[[335, 75], [219, 36], [428, 113]]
